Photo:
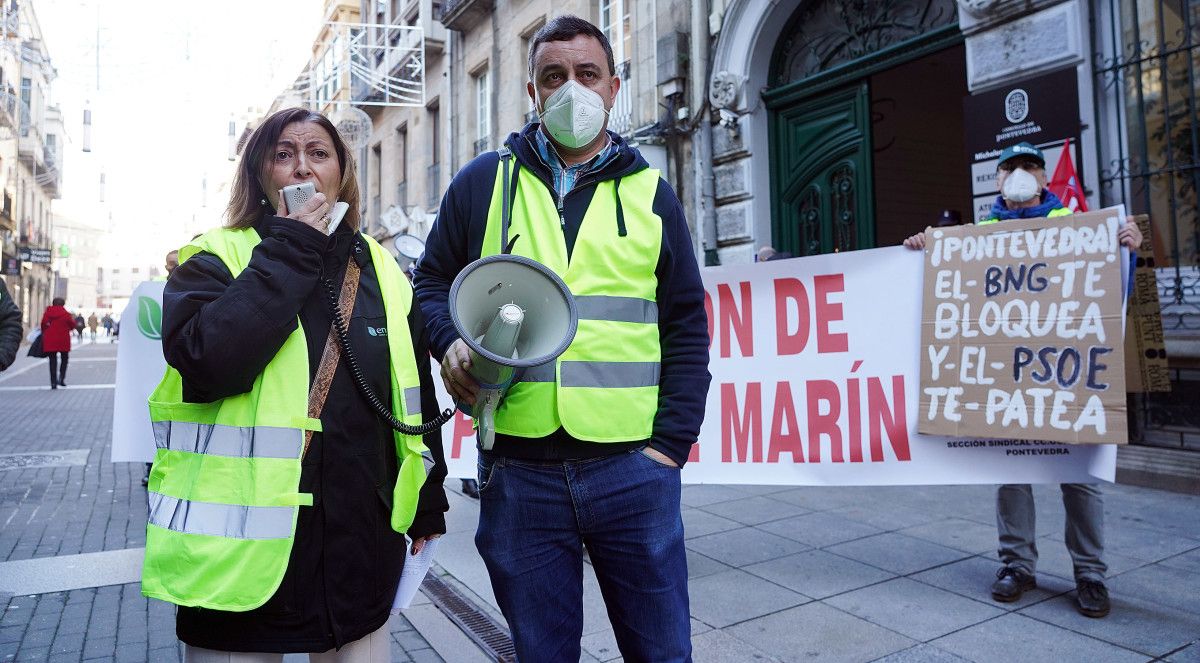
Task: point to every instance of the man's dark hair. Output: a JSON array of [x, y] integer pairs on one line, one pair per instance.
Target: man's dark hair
[[58, 301], [566, 28]]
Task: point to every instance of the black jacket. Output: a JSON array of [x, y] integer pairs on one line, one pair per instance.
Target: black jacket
[[220, 333], [10, 328], [457, 239]]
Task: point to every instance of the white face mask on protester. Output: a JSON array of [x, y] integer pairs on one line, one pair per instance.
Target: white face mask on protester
[[1021, 186], [573, 115]]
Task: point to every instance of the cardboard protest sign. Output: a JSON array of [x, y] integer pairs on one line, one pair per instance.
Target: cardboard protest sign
[[1145, 349], [1022, 331]]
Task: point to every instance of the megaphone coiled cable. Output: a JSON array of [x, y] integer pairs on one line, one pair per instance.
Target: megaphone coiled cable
[[360, 381]]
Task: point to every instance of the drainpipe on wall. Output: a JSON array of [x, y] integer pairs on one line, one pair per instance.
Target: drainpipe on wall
[[702, 138], [451, 95]]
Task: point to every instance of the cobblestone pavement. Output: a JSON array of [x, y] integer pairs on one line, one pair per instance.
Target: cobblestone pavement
[[57, 511]]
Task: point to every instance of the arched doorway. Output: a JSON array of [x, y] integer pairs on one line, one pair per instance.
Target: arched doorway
[[865, 120]]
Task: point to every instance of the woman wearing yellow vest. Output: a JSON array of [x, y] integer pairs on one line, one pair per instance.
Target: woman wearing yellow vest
[[280, 494]]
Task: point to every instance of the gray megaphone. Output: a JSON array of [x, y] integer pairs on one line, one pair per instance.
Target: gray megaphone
[[514, 313]]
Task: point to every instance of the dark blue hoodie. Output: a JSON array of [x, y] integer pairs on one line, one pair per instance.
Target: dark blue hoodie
[[457, 238]]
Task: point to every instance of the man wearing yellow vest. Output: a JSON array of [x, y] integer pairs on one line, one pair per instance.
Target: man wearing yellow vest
[[588, 447], [1021, 178], [281, 492]]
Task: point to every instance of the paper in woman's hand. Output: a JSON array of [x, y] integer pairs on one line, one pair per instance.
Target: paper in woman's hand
[[415, 568]]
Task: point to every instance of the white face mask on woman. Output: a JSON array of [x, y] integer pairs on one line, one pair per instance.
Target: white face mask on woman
[[574, 115], [1021, 186]]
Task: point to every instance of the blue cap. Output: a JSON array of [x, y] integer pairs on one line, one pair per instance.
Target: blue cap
[[1022, 149]]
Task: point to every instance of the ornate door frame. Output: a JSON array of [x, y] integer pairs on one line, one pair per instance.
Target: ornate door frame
[[839, 70]]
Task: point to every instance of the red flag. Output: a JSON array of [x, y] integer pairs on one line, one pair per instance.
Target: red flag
[[1065, 184]]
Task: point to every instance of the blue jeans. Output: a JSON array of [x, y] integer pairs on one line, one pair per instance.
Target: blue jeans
[[534, 520]]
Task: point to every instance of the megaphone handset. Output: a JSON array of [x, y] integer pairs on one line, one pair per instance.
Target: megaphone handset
[[339, 326]]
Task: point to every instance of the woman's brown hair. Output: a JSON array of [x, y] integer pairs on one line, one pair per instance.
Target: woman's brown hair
[[248, 201]]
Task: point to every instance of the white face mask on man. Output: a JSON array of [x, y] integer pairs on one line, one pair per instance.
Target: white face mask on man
[[574, 115], [1021, 186]]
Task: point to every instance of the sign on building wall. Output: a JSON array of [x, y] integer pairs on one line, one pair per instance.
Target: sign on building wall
[[33, 254], [1022, 333], [1043, 111]]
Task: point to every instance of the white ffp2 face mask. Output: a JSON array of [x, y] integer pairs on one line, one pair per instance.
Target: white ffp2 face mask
[[574, 115], [1020, 186]]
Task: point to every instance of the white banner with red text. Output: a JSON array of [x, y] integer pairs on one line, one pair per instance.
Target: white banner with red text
[[815, 381]]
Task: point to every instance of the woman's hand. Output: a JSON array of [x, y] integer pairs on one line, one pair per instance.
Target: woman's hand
[[419, 544], [1130, 235], [314, 213], [916, 242]]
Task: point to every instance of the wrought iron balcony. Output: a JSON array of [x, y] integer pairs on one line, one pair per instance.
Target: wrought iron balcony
[[462, 15]]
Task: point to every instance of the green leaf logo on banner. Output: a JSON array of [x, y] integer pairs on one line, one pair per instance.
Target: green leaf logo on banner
[[149, 318]]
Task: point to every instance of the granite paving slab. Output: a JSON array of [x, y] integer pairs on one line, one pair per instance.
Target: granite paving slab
[[818, 632]]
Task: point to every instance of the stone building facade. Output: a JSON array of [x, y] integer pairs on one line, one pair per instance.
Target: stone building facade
[[31, 149]]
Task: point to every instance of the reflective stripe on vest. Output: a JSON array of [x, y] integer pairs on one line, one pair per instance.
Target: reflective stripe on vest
[[1058, 211], [225, 480], [412, 400], [218, 440], [227, 520], [612, 366], [611, 374]]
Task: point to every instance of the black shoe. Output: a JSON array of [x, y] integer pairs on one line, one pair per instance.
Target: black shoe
[[1010, 583], [61, 383], [1091, 598], [470, 488], [54, 385]]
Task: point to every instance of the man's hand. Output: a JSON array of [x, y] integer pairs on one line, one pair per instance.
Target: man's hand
[[419, 544], [916, 242], [1130, 235], [659, 457], [461, 385]]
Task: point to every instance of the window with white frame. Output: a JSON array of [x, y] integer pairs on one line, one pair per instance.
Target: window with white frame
[[327, 73], [483, 112], [617, 24]]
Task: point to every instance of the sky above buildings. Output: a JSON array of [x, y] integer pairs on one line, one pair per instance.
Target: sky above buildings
[[162, 80]]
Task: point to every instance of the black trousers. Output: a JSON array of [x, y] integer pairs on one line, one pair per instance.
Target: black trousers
[[58, 374]]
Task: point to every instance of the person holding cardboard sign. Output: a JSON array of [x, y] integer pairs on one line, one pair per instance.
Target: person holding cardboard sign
[[1021, 176]]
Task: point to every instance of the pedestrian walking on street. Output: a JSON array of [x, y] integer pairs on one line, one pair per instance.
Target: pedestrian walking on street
[[93, 324], [10, 328], [57, 325], [1021, 177], [80, 323], [107, 322], [283, 485], [588, 448]]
